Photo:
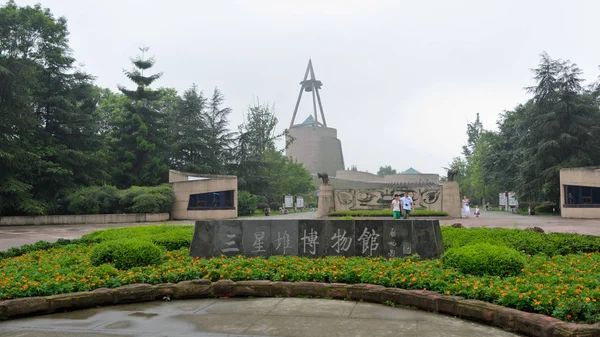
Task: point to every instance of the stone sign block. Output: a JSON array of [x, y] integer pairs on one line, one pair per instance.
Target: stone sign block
[[318, 238]]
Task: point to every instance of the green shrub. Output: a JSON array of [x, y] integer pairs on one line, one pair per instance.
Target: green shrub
[[485, 259], [246, 203], [275, 206], [530, 242], [126, 254], [155, 234], [546, 208], [173, 241], [127, 196], [94, 200], [524, 205], [155, 199], [261, 206], [385, 213]]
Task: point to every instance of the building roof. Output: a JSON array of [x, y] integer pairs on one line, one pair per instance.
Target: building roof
[[309, 121], [411, 171]]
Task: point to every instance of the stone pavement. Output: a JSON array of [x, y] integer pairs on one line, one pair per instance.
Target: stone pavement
[[547, 223], [288, 317]]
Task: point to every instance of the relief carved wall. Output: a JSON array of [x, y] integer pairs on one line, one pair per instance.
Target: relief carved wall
[[424, 197]]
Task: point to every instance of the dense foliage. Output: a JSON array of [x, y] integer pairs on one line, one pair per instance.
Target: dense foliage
[[529, 242], [247, 203], [559, 127], [563, 286], [109, 200], [126, 253], [485, 259], [61, 134]]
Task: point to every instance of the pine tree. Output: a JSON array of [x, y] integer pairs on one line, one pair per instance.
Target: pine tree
[[139, 141], [561, 130], [218, 137], [190, 133]]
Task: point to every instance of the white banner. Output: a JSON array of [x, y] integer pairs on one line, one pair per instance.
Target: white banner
[[512, 200], [288, 201], [502, 199], [299, 201]]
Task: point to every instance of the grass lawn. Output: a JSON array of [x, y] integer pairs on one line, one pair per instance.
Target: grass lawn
[[560, 278]]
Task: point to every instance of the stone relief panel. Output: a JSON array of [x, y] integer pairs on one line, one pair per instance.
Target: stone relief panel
[[425, 197]]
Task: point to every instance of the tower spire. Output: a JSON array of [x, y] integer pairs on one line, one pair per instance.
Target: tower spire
[[311, 85]]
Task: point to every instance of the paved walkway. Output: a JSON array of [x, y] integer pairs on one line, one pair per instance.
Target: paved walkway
[[288, 317], [547, 223]]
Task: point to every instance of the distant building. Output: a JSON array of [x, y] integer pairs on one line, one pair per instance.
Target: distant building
[[202, 196], [580, 192]]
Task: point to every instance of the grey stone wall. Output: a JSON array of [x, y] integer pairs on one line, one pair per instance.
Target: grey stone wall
[[317, 238]]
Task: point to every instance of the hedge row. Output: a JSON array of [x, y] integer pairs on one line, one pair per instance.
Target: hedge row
[[169, 237], [527, 241], [110, 200]]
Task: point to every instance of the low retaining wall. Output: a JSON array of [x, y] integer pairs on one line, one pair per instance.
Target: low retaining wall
[[318, 238], [82, 219], [525, 323]]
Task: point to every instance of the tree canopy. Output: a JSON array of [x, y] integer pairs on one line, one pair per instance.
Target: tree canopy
[[60, 133], [558, 127]]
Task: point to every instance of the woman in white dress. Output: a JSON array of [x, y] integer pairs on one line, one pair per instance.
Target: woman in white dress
[[466, 210]]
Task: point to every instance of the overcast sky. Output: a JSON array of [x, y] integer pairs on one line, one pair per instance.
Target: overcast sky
[[401, 79]]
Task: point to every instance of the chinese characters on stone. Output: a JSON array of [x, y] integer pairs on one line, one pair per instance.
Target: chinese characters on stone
[[310, 240], [369, 241], [342, 242], [230, 244]]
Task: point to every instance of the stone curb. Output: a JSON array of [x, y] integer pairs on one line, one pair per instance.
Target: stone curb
[[525, 323]]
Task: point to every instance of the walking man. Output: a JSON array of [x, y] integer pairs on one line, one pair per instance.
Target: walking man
[[396, 207], [407, 204]]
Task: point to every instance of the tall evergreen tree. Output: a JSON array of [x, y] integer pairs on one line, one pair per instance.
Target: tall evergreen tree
[[190, 132], [138, 141], [218, 138], [49, 141], [256, 137], [561, 130]]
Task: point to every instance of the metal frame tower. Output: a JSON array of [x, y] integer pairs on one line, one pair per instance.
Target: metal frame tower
[[311, 85]]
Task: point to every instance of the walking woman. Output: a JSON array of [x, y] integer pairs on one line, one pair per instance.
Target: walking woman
[[466, 210]]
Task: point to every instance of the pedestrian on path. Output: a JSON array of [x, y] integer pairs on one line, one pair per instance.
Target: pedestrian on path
[[396, 207], [407, 204], [466, 210]]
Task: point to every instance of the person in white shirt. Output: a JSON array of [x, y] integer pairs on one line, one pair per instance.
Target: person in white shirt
[[407, 204], [396, 207]]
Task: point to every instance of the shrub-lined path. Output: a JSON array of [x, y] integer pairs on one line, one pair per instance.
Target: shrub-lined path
[[248, 317]]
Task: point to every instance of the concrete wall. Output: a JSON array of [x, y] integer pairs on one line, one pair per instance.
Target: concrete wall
[[183, 190], [317, 148], [583, 176], [82, 219]]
